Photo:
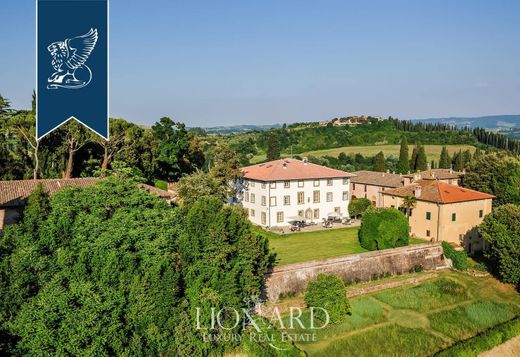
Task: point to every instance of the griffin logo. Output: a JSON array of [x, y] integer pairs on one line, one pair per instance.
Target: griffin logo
[[68, 60]]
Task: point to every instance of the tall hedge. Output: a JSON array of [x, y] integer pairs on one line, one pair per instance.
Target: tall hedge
[[329, 293], [383, 228]]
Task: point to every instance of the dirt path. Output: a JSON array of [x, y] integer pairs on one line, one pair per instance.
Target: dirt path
[[510, 348]]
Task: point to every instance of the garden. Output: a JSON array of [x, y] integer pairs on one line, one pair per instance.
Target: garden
[[416, 320]]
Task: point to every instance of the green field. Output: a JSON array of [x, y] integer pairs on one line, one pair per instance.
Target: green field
[[416, 320], [305, 246], [432, 151]]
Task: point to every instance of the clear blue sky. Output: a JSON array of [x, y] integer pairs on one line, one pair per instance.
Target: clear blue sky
[[224, 62]]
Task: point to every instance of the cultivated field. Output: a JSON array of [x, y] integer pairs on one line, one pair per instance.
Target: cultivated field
[[432, 151], [300, 247], [417, 320]]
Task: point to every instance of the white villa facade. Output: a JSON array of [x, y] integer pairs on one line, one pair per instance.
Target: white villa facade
[[277, 192]]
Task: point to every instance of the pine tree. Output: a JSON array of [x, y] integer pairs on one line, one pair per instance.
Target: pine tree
[[403, 166], [444, 161], [379, 162], [273, 148]]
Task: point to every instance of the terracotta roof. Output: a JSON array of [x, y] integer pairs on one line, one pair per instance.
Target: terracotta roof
[[441, 174], [290, 169], [15, 192], [438, 192], [375, 178]]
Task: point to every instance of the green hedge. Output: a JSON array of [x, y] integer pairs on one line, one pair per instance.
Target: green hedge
[[458, 257], [383, 228], [485, 341], [328, 292]]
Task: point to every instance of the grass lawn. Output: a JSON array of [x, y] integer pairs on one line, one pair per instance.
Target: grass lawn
[[301, 247], [432, 151], [416, 320]]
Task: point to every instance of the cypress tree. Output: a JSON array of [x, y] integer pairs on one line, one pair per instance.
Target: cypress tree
[[273, 148], [403, 166], [413, 160], [379, 162], [422, 160], [444, 161]]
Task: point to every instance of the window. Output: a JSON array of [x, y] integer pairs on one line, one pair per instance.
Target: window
[[453, 217], [365, 188], [246, 197], [246, 183], [263, 185], [345, 181], [301, 198], [286, 200], [252, 198], [329, 197], [427, 233], [264, 200], [272, 201], [316, 213], [263, 218], [287, 184], [279, 217], [252, 212], [353, 186], [337, 209], [300, 213], [428, 216], [316, 196], [300, 183], [316, 183], [272, 184], [345, 196], [329, 182], [252, 184], [481, 213]]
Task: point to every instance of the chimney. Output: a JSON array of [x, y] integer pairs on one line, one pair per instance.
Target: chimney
[[417, 192], [451, 171], [305, 160], [285, 165], [387, 171]]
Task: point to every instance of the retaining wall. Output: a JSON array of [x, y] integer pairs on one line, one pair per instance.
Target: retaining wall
[[357, 267]]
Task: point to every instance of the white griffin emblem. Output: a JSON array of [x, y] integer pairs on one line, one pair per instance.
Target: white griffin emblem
[[68, 60]]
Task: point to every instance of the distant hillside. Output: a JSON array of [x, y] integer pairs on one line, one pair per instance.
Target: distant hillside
[[237, 129], [491, 122]]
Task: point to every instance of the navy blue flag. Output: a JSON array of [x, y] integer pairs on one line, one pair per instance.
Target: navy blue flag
[[72, 64]]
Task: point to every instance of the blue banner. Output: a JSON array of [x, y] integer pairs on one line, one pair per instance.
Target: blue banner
[[72, 64]]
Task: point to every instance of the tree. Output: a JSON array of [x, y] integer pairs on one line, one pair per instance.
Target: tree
[[192, 187], [421, 162], [413, 159], [379, 162], [444, 161], [383, 228], [76, 136], [273, 147], [403, 166], [409, 203], [328, 292], [5, 104], [117, 138], [359, 206], [226, 168], [24, 123], [458, 161], [496, 174], [501, 231]]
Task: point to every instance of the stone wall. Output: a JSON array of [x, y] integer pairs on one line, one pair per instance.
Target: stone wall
[[358, 267]]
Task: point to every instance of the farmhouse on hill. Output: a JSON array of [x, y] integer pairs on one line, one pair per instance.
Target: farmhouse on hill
[[442, 212], [279, 191]]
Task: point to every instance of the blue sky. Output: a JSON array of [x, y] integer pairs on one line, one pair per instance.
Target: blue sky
[[210, 63]]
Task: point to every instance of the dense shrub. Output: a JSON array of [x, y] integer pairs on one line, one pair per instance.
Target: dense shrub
[[501, 231], [329, 293], [485, 341], [163, 185], [383, 228], [358, 206], [458, 257]]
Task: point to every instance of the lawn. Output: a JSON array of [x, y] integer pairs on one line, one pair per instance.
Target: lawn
[[300, 247], [432, 151], [416, 320]]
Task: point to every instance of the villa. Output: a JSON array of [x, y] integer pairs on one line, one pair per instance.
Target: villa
[[442, 212], [280, 191]]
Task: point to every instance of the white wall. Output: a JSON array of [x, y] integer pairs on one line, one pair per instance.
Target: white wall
[[277, 190]]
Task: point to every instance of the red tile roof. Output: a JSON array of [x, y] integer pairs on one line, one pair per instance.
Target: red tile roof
[[291, 169], [15, 192], [373, 178], [438, 192]]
